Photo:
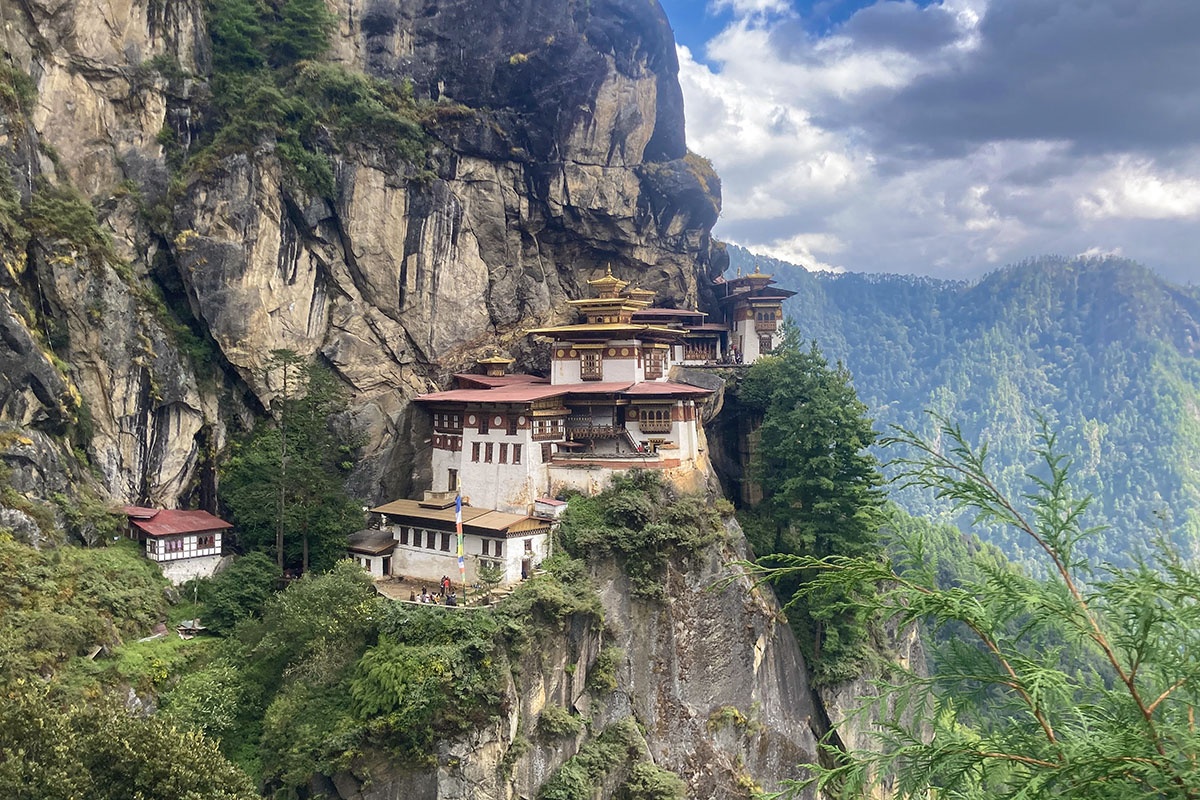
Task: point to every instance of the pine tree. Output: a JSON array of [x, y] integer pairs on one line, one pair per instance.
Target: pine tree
[[285, 481], [821, 491], [1005, 716]]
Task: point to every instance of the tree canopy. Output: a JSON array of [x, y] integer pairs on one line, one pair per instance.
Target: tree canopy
[[1005, 715], [286, 477], [1104, 348], [821, 490]]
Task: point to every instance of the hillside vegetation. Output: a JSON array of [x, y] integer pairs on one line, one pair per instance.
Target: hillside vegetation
[[1104, 348]]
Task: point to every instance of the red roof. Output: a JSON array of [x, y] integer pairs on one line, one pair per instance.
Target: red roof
[[610, 387], [520, 393], [491, 381], [658, 388], [168, 522]]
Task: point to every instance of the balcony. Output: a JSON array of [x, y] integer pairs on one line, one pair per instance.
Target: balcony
[[587, 429], [654, 425], [766, 326], [549, 435]]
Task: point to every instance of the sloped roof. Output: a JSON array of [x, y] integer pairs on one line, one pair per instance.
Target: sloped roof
[[664, 388], [168, 522], [513, 393], [372, 543], [480, 519], [492, 381]]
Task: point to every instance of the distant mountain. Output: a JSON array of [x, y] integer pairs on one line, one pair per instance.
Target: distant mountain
[[1105, 348]]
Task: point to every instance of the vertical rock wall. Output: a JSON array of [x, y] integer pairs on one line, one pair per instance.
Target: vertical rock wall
[[572, 156]]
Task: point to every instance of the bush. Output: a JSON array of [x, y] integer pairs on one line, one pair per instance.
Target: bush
[[645, 523], [602, 677], [556, 722], [100, 751], [619, 744], [649, 782], [238, 592], [58, 603]]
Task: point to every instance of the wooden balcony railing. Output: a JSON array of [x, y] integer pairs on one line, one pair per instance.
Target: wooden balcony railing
[[654, 425]]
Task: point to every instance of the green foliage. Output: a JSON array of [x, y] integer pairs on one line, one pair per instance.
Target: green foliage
[[644, 522], [88, 517], [556, 722], [1097, 345], [545, 602], [269, 87], [1002, 717], [289, 469], [433, 674], [602, 677], [238, 592], [647, 781], [101, 751], [57, 603], [18, 92], [822, 494], [58, 212], [619, 744], [301, 31]]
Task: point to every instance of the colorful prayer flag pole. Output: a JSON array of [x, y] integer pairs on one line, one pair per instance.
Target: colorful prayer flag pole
[[462, 567]]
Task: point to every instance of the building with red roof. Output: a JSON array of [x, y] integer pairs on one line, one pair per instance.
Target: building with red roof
[[608, 406], [185, 544]]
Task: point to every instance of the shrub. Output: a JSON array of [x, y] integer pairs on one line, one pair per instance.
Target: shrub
[[645, 523], [236, 593], [619, 744], [556, 722], [602, 677], [647, 781]]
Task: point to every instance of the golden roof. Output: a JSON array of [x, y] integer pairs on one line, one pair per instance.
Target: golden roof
[[639, 294], [608, 283], [605, 327]]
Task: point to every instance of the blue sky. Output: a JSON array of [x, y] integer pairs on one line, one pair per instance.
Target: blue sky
[[949, 137]]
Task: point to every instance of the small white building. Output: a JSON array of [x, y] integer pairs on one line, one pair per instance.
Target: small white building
[[372, 550], [426, 546], [185, 544]]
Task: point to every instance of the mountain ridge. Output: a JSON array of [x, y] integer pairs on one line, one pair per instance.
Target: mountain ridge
[[1105, 347]]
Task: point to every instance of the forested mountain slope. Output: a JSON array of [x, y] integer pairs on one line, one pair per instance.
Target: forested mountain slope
[[1105, 348]]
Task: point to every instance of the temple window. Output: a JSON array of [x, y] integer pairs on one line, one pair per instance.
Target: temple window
[[504, 453], [654, 364], [475, 451], [516, 454], [589, 365], [446, 542], [487, 453], [512, 426], [654, 419]]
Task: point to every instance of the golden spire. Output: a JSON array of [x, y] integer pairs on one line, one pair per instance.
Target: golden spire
[[739, 272], [757, 271]]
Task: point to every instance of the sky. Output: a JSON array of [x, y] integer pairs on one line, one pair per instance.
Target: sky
[[949, 137]]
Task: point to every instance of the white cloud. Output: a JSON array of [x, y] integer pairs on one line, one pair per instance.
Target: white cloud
[[749, 7], [798, 125], [1133, 188]]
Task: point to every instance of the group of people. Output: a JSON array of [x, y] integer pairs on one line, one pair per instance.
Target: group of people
[[445, 594]]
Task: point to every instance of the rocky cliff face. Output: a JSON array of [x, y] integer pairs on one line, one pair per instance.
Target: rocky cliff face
[[571, 156], [712, 676]]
